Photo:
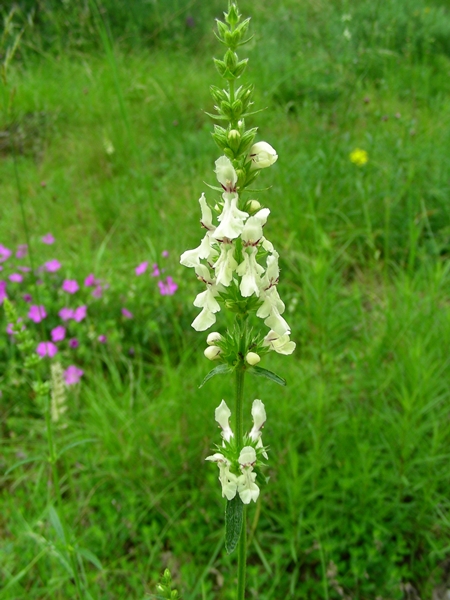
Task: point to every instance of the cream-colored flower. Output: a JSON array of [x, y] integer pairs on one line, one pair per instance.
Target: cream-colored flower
[[262, 155]]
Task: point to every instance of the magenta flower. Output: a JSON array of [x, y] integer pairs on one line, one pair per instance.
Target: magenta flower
[[167, 288], [16, 277], [155, 271], [102, 339], [5, 253], [10, 326], [37, 313], [126, 313], [27, 298], [22, 250], [72, 375], [141, 268], [52, 265], [74, 343], [70, 286], [165, 253], [46, 349], [24, 269], [66, 313], [97, 292], [58, 333], [48, 238], [80, 313], [91, 281], [3, 293]]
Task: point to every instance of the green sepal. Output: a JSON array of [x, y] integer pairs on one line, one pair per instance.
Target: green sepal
[[234, 514], [260, 372], [219, 370]]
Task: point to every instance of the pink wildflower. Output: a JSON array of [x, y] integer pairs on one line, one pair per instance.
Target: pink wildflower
[[126, 313], [66, 313], [165, 253], [91, 281], [80, 313], [141, 268], [97, 292], [74, 343], [155, 271], [37, 313], [3, 293], [24, 269], [102, 339], [16, 277], [5, 253], [22, 250], [27, 298], [52, 265], [48, 238], [70, 286], [58, 333], [167, 288], [72, 375], [46, 349]]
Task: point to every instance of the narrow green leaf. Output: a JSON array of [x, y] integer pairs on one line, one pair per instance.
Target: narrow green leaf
[[234, 512], [57, 525], [90, 556], [260, 372], [24, 462], [74, 444], [219, 370]]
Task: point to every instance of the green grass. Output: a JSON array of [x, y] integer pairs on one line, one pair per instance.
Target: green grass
[[358, 496]]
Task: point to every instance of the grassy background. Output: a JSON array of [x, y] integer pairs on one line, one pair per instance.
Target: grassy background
[[358, 501]]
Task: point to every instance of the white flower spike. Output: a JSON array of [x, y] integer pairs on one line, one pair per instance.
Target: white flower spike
[[226, 174], [227, 479]]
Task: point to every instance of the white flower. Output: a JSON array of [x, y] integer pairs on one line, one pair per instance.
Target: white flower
[[252, 358], [213, 337], [279, 343], [226, 174], [207, 301], [231, 219], [212, 352], [259, 418], [253, 228], [222, 416], [225, 265], [262, 155], [250, 272], [227, 479], [246, 486], [191, 258], [206, 219], [272, 273]]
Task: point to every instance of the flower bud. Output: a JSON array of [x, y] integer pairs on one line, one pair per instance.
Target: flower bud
[[252, 358], [213, 337], [234, 139], [253, 206], [212, 352], [262, 155]]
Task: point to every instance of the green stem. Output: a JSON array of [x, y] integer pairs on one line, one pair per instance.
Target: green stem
[[242, 558], [242, 548], [52, 458]]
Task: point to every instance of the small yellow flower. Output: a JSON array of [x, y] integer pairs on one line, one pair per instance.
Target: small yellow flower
[[359, 157]]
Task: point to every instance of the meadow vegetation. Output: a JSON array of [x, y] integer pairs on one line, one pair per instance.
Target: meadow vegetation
[[106, 146]]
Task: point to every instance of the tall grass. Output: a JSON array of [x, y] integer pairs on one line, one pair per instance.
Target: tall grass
[[357, 504]]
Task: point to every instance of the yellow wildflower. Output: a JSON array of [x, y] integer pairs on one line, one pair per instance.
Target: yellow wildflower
[[359, 157]]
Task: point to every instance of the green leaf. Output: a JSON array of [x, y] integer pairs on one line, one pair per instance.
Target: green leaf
[[234, 513], [260, 372], [24, 462], [90, 556], [75, 444], [219, 370], [57, 525]]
